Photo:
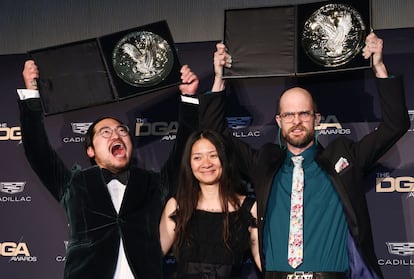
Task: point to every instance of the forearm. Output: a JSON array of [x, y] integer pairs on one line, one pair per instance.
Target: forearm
[[380, 70], [392, 100], [219, 84], [39, 153], [187, 123], [212, 112]]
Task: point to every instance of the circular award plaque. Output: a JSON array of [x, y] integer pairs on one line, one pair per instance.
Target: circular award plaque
[[142, 59], [333, 35]]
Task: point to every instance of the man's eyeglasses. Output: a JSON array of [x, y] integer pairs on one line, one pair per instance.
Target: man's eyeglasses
[[121, 130], [305, 115]]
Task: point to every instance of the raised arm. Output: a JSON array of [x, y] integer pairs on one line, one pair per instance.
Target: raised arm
[[188, 122], [395, 121], [373, 47], [44, 160], [221, 59], [213, 114], [212, 106]]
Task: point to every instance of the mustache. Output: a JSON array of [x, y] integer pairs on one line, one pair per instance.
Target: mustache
[[297, 127]]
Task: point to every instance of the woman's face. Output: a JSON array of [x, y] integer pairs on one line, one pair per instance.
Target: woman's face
[[205, 162]]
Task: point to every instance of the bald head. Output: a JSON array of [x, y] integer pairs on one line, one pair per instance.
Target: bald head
[[295, 97]]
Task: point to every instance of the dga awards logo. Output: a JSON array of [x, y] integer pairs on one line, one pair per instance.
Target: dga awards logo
[[16, 252], [10, 133], [166, 130], [385, 183], [330, 125]]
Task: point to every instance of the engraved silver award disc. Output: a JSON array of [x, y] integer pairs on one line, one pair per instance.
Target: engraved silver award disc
[[142, 58], [333, 35]]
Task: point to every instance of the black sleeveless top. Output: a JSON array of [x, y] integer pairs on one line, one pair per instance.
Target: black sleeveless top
[[206, 255]]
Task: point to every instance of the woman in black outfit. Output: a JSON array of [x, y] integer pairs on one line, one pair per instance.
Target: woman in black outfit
[[210, 223]]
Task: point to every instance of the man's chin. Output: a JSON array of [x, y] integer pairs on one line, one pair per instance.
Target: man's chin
[[302, 143], [121, 164]]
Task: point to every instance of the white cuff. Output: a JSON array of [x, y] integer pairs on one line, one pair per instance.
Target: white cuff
[[188, 99], [28, 94]]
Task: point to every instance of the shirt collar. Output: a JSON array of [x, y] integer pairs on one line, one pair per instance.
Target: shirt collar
[[308, 156], [121, 177]]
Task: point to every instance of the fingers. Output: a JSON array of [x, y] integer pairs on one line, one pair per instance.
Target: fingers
[[373, 48], [187, 76], [222, 57], [30, 74], [189, 81], [373, 45]]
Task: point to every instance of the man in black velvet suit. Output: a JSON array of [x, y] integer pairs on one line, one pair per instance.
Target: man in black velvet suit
[[113, 223], [337, 238]]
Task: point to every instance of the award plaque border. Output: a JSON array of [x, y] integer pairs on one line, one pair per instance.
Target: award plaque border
[[266, 41], [79, 75]]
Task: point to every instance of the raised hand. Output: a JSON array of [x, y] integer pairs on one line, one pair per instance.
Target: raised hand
[[373, 47], [189, 81], [30, 74]]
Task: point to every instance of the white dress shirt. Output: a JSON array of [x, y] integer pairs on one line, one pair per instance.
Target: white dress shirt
[[116, 190]]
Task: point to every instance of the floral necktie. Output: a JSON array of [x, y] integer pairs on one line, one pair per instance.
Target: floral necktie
[[295, 243]]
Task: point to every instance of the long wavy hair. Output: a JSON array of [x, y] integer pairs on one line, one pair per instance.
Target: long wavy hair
[[188, 191]]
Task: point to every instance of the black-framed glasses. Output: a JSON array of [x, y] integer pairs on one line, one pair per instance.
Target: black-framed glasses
[[121, 130], [289, 116]]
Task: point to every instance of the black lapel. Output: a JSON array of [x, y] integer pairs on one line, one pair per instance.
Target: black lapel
[[97, 191], [138, 190], [272, 165]]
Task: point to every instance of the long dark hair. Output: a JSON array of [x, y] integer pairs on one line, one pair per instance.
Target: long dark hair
[[188, 190]]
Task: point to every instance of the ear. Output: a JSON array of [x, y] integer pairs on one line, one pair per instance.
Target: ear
[[90, 151], [278, 121], [317, 119]]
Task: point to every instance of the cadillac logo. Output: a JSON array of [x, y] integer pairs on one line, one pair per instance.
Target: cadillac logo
[[333, 35], [142, 58]]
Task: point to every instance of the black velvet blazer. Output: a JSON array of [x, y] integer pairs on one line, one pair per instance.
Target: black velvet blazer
[[95, 226], [260, 166]]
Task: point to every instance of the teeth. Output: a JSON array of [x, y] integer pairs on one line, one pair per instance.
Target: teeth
[[115, 146]]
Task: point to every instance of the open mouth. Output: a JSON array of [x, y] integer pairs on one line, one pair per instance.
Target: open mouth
[[118, 149], [297, 129]]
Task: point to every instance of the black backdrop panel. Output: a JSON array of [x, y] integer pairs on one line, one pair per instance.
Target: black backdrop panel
[[73, 76], [260, 38]]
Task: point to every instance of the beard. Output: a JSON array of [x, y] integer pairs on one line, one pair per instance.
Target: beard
[[296, 141]]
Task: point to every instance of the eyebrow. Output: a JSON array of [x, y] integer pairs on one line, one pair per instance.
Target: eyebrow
[[212, 151]]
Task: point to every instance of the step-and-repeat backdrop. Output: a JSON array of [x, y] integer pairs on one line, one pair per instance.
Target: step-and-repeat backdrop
[[34, 230]]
